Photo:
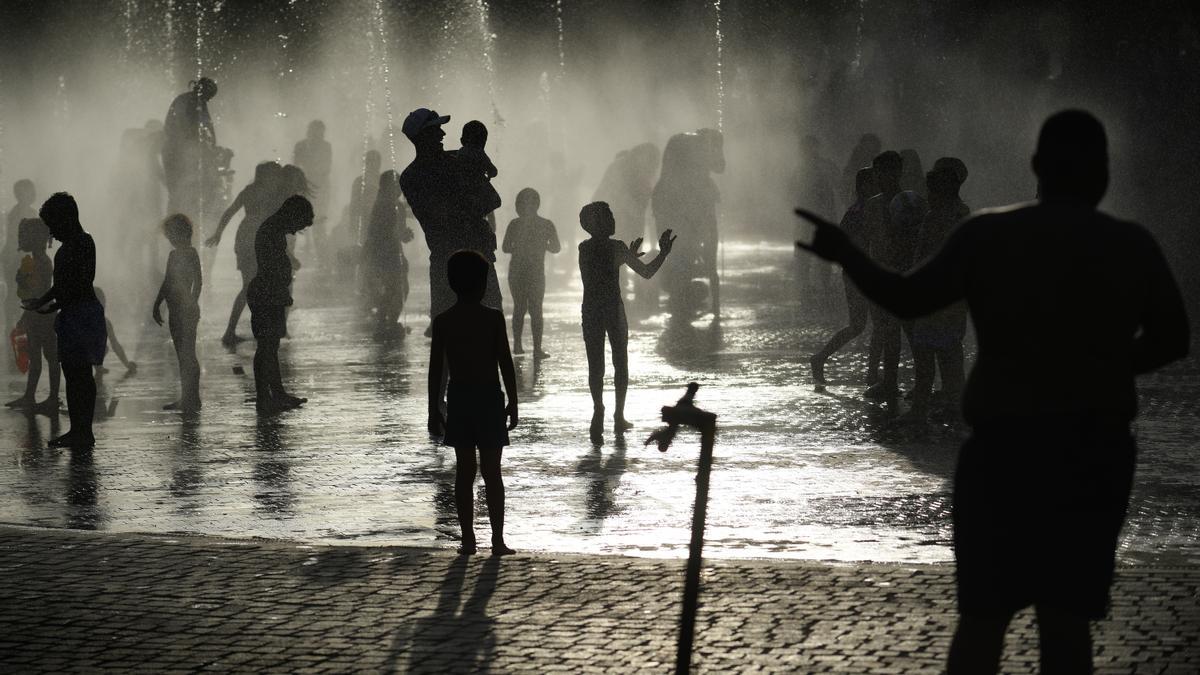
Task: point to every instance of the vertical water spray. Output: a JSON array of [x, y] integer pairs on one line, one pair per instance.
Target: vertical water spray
[[858, 31], [369, 107], [200, 156], [385, 71], [720, 46], [483, 13], [169, 61]]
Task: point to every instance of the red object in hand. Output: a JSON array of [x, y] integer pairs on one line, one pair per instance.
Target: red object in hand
[[20, 347]]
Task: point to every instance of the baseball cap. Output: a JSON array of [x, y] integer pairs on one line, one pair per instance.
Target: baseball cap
[[420, 119]]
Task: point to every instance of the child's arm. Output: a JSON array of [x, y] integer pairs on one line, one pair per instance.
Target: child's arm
[[553, 245], [489, 168], [509, 236], [162, 291], [225, 218], [117, 348], [197, 275], [507, 371], [437, 360], [647, 270]]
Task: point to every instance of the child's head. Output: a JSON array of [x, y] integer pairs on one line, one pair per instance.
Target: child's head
[[467, 272], [474, 133], [866, 185], [266, 174], [597, 219], [24, 192], [294, 181], [178, 229], [528, 202], [32, 235], [316, 130], [296, 212]]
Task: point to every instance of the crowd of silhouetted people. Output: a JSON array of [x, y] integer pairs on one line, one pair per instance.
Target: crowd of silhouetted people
[[1055, 290]]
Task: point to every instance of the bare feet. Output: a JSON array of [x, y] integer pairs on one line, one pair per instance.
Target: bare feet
[[467, 549], [48, 407], [818, 369], [518, 349], [499, 549], [621, 424], [541, 354]]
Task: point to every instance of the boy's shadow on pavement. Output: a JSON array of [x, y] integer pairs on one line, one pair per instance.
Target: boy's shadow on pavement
[[453, 638]]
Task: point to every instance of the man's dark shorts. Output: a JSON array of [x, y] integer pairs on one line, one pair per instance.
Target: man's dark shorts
[[1038, 507]]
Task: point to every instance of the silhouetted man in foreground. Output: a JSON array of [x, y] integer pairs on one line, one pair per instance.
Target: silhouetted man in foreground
[[1079, 303]]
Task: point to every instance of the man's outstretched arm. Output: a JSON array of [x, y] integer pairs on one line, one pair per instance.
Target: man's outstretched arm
[[926, 289]]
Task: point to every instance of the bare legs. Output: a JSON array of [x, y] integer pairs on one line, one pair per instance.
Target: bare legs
[[464, 496], [597, 323]]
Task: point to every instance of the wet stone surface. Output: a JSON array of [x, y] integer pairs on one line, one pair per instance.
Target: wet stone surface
[[86, 602], [798, 473]]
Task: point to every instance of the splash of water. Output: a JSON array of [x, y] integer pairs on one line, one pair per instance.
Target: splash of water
[[562, 52], [200, 157], [720, 46]]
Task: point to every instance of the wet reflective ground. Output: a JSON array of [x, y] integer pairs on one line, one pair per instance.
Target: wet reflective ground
[[798, 473]]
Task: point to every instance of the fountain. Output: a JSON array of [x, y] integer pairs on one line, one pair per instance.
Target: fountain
[[720, 45]]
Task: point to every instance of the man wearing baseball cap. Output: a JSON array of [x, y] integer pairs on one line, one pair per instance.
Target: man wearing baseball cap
[[435, 192]]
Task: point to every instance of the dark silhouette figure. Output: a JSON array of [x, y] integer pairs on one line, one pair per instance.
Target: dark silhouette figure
[[471, 342], [603, 309], [528, 238], [891, 241], [259, 200], [363, 193], [314, 155], [189, 150], [937, 339], [269, 296], [478, 171], [434, 188], [80, 325], [384, 267], [181, 291], [685, 200], [34, 277], [854, 224], [25, 194], [1080, 302], [626, 187]]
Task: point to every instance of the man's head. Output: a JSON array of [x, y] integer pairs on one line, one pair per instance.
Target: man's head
[[888, 167], [61, 215], [467, 272], [528, 202], [597, 219], [424, 128], [316, 130], [1071, 161], [475, 134], [870, 144], [24, 191], [945, 178], [205, 88]]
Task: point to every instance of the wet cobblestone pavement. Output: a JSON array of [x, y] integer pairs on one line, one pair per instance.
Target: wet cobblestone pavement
[[798, 474], [85, 602]]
